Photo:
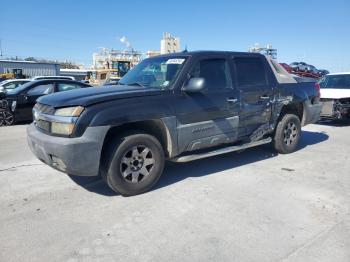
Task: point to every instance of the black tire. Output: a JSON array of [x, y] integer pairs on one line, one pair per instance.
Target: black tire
[[115, 168], [287, 134], [7, 118]]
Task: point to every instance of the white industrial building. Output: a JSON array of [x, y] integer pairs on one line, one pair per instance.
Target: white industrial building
[[109, 59], [169, 44]]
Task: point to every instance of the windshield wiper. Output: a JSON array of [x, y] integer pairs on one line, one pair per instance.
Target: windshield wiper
[[132, 84]]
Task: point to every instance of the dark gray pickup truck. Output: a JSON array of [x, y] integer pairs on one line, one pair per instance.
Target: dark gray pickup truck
[[179, 107]]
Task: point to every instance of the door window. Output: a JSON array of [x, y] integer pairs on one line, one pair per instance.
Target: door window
[[216, 73], [10, 85], [41, 90], [66, 86], [250, 71]]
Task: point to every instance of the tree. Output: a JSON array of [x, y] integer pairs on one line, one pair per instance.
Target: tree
[[30, 58], [68, 65]]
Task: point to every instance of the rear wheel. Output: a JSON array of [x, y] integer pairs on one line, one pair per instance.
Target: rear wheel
[[287, 134], [136, 163], [7, 118]]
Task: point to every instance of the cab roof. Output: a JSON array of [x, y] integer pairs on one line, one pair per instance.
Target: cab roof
[[207, 52]]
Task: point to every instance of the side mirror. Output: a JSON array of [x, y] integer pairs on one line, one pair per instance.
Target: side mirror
[[194, 85], [2, 95]]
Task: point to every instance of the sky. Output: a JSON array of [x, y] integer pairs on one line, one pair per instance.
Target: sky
[[316, 32]]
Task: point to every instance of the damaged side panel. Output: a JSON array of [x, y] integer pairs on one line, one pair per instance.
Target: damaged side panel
[[277, 104]]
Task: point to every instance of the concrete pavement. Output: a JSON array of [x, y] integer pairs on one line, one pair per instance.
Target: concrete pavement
[[249, 206]]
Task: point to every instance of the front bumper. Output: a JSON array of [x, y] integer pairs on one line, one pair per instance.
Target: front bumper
[[311, 113], [333, 109], [75, 156]]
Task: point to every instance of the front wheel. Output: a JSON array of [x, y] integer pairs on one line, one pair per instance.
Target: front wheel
[[287, 134], [7, 118], [136, 164]]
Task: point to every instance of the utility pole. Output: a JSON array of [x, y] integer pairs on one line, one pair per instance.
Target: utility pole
[[0, 47]]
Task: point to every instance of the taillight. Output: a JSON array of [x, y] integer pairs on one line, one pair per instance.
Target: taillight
[[318, 90]]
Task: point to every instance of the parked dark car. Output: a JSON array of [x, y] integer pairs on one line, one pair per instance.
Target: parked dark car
[[180, 107], [19, 102], [311, 69], [323, 72]]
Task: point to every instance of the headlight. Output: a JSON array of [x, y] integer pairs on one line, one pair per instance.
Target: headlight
[[60, 122], [69, 111], [62, 128]]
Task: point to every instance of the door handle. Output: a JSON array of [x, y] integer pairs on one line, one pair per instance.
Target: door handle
[[232, 100], [264, 97]]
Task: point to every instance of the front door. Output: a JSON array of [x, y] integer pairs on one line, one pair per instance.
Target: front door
[[209, 117], [27, 99]]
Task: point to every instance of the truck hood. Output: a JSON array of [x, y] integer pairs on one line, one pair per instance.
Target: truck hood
[[333, 93], [93, 95]]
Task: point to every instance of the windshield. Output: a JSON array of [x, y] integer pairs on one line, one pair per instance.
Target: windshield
[[335, 81], [157, 72]]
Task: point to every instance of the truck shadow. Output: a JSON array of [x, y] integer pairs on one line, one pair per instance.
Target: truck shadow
[[93, 184], [176, 172]]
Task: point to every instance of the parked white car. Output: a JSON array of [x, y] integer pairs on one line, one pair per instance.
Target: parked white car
[[12, 84], [335, 95], [53, 77]]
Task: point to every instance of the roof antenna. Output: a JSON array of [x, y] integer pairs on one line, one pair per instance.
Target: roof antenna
[[0, 48], [185, 51]]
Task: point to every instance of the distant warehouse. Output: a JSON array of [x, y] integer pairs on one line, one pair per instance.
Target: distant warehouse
[[28, 68]]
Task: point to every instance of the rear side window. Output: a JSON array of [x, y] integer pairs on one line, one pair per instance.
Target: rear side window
[[250, 71], [41, 90], [216, 73], [66, 86]]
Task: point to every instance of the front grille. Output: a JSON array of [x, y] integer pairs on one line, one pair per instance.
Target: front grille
[[43, 124], [44, 109]]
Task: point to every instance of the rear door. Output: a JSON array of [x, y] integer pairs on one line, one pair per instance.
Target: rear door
[[255, 92], [209, 117]]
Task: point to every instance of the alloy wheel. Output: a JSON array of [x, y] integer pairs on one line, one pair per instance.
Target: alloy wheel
[[136, 164], [290, 133], [6, 118]]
